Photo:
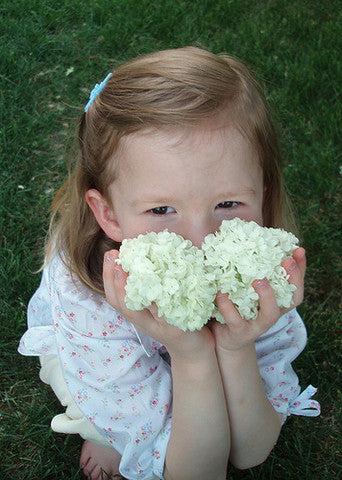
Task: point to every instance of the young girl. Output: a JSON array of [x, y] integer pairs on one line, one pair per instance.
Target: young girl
[[179, 139]]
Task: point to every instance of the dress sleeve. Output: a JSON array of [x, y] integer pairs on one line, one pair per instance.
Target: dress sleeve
[[122, 387], [276, 350], [40, 338]]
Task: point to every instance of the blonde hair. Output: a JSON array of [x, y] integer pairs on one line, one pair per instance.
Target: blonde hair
[[179, 87]]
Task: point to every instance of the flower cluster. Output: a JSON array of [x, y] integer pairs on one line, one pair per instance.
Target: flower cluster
[[183, 280], [168, 270], [242, 252]]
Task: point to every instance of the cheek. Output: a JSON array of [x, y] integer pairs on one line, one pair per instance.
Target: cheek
[[252, 217], [132, 227], [258, 208], [253, 213], [258, 216]]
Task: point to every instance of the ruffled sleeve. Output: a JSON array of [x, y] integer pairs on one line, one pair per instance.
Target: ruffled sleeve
[[40, 338], [276, 350], [116, 375]]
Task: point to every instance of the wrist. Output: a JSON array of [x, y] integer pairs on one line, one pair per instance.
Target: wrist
[[192, 347], [188, 359], [237, 354]]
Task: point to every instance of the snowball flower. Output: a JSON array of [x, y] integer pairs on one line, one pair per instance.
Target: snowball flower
[[242, 252], [168, 270], [183, 280]]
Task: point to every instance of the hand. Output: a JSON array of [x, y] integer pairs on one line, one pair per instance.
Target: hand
[[238, 333], [185, 345], [296, 267]]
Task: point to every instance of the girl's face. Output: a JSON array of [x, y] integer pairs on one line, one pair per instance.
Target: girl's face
[[187, 182]]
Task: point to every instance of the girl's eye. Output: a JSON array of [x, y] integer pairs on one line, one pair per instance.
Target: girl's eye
[[227, 204], [162, 210]]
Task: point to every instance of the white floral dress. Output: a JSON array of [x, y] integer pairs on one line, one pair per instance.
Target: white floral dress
[[121, 379]]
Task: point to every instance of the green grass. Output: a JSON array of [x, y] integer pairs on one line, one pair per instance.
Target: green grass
[[51, 54]]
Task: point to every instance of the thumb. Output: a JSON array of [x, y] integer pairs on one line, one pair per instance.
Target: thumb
[[114, 279]]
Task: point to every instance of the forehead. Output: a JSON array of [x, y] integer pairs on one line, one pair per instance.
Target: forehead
[[187, 162], [211, 135]]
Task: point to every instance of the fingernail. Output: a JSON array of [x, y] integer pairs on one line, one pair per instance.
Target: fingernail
[[109, 257], [118, 273], [221, 297], [260, 284], [291, 266]]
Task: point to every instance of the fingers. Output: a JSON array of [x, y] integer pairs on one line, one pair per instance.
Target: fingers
[[239, 332], [300, 257], [228, 310], [269, 311], [153, 309], [295, 268], [114, 281]]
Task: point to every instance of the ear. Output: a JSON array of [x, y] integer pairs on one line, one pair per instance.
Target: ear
[[104, 214]]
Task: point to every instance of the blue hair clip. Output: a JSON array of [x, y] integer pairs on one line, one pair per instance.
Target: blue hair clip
[[96, 91]]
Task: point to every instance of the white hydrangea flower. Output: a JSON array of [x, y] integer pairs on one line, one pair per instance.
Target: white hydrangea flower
[[242, 252], [183, 280], [168, 270]]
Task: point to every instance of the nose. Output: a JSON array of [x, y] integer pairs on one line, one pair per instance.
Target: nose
[[196, 230]]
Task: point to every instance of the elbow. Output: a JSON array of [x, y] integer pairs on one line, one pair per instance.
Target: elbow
[[258, 450], [211, 475], [244, 463]]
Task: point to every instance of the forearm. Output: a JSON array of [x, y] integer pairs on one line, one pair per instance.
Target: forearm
[[254, 424], [199, 443]]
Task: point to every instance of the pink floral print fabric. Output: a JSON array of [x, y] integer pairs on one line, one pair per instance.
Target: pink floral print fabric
[[121, 379]]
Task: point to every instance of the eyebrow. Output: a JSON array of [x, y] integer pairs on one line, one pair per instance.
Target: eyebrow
[[243, 190], [165, 201], [156, 201]]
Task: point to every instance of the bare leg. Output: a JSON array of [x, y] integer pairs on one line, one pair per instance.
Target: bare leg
[[94, 458]]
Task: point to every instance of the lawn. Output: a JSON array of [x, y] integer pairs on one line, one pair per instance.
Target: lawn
[[52, 52]]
